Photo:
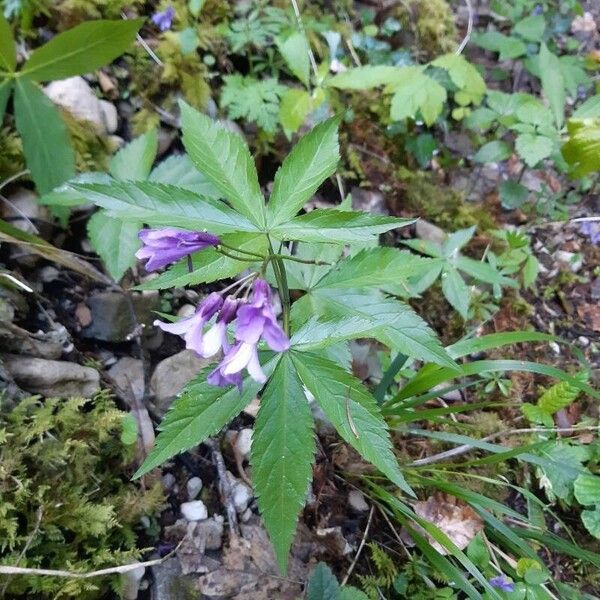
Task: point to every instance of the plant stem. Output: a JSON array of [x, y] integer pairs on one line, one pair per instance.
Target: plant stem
[[305, 261], [282, 284], [240, 258], [260, 256]]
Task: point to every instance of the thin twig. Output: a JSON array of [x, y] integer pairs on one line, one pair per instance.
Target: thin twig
[[14, 178], [360, 547], [145, 46], [467, 37]]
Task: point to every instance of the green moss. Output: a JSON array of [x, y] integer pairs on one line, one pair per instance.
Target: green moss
[[65, 496], [92, 151], [11, 153], [424, 197]]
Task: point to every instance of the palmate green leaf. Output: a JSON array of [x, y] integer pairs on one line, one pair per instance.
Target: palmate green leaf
[[587, 489], [582, 150], [333, 226], [223, 157], [312, 160], [82, 49], [115, 241], [531, 28], [283, 449], [483, 272], [293, 109], [464, 75], [493, 151], [352, 593], [455, 290], [373, 268], [322, 584], [507, 47], [553, 83], [134, 161], [295, 50], [166, 205], [352, 410], [5, 90], [533, 148], [46, 143], [179, 170], [590, 109], [591, 520], [8, 52], [363, 78], [199, 412], [208, 265]]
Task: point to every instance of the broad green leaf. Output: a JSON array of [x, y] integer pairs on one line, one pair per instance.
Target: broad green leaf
[[582, 150], [166, 205], [295, 50], [531, 28], [6, 86], [494, 151], [8, 52], [352, 410], [494, 41], [483, 271], [208, 265], [199, 412], [82, 49], [322, 584], [312, 160], [457, 240], [352, 593], [363, 78], [65, 195], [587, 489], [590, 109], [46, 143], [504, 104], [513, 194], [115, 241], [553, 83], [456, 291], [283, 449], [559, 396], [305, 276], [373, 268], [534, 112], [179, 170], [464, 75], [413, 92], [591, 520], [223, 157], [333, 226], [293, 109], [134, 161], [533, 148]]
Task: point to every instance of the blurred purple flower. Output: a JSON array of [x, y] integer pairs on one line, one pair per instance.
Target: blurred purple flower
[[591, 229], [163, 20], [254, 320], [164, 246], [502, 583], [192, 328], [538, 10], [216, 337]]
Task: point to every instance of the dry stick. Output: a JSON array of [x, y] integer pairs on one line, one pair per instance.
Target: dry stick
[[360, 547], [467, 447], [224, 485], [467, 37]]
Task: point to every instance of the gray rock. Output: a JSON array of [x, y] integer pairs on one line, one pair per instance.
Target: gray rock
[[243, 443], [241, 493], [75, 95], [24, 211], [430, 232], [171, 376], [112, 320], [127, 375], [357, 502], [171, 584], [210, 531], [168, 481], [595, 289], [193, 486], [194, 510], [130, 581], [369, 200], [52, 377]]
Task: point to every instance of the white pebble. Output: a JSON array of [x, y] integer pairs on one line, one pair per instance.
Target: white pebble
[[357, 501], [168, 481], [243, 443], [194, 485], [194, 511]]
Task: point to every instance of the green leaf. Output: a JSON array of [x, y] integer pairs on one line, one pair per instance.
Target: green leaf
[[494, 41], [208, 265], [457, 240], [294, 50], [166, 205], [582, 150], [312, 160], [413, 92], [179, 170], [199, 412], [483, 272], [464, 75], [513, 194], [352, 593], [293, 110], [283, 448], [591, 520], [587, 489], [559, 396], [553, 83], [533, 148], [129, 430], [5, 90], [115, 241], [456, 291], [334, 226], [8, 52], [82, 49], [134, 161], [224, 158], [353, 412], [322, 584], [590, 109], [363, 78], [494, 151], [46, 143], [374, 267], [531, 28]]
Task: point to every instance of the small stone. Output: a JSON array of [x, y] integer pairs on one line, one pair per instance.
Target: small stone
[[595, 289], [210, 531], [127, 375], [109, 116], [583, 341], [48, 274], [131, 583], [555, 348], [569, 259], [187, 310], [430, 232], [369, 200], [194, 510], [246, 515], [252, 409], [168, 481], [357, 502], [83, 314], [243, 442], [23, 210], [193, 486], [241, 494]]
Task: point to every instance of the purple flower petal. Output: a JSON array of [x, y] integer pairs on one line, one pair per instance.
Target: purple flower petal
[[502, 583], [164, 20], [275, 337]]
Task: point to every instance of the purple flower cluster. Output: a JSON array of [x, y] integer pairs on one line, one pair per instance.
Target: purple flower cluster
[[502, 583], [591, 229], [164, 20], [164, 246], [253, 320]]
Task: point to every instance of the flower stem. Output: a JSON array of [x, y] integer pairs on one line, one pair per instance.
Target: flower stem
[[259, 256], [306, 261], [282, 284], [240, 258]]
